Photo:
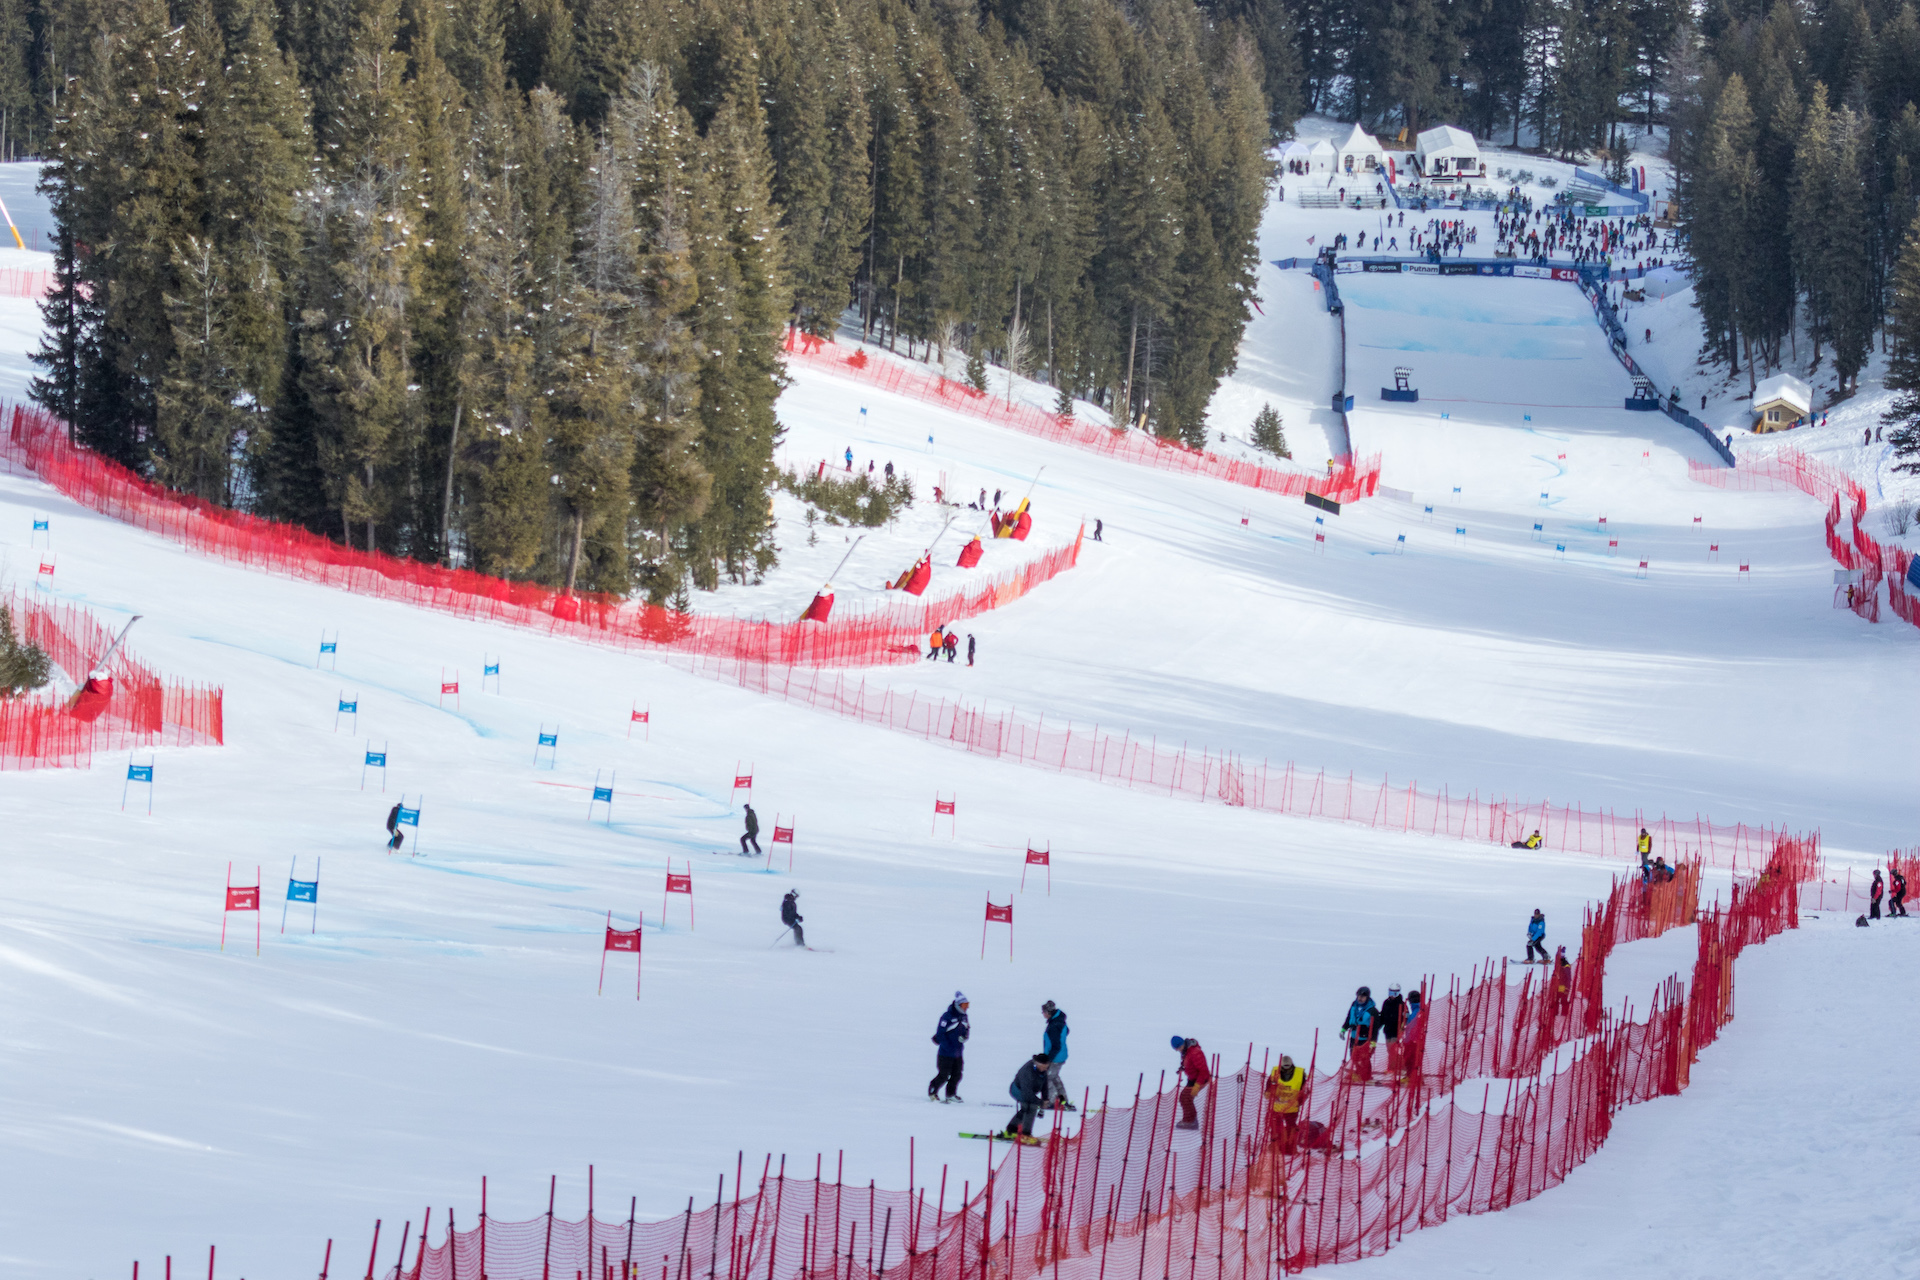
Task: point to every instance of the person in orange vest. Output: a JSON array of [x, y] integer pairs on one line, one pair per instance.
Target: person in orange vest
[[1286, 1086], [1193, 1065], [935, 643]]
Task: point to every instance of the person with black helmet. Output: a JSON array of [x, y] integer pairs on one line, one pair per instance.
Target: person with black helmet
[[1537, 937], [1362, 1023], [1054, 1046], [1029, 1091], [790, 916], [1897, 896], [1875, 892], [1193, 1065]]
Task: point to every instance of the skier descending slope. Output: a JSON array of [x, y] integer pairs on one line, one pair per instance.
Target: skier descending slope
[[790, 916], [950, 1045], [1537, 937], [393, 829], [753, 832]]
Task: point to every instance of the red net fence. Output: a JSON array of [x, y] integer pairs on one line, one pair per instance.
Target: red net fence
[[39, 731], [24, 282], [1846, 500], [1211, 776], [1494, 1095], [37, 443], [1349, 480]]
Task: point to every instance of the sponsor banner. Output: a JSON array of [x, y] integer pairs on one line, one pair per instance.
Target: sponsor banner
[[1345, 265], [1423, 269], [1381, 266], [1459, 269], [1496, 268], [1533, 273], [1565, 273]]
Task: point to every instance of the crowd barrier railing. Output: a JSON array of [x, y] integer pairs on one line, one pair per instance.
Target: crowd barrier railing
[[1384, 1142], [41, 731], [37, 443], [1349, 479]]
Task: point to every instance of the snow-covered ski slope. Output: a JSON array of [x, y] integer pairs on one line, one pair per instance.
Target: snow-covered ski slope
[[441, 1023]]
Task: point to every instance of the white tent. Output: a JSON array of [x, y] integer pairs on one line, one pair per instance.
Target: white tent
[[1445, 153], [1361, 154], [1293, 157], [1320, 157]]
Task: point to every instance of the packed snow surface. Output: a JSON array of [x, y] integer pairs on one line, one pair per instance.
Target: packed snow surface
[[438, 1019]]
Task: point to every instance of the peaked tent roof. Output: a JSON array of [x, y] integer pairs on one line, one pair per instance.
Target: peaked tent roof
[[1294, 147], [1445, 137], [1359, 141]]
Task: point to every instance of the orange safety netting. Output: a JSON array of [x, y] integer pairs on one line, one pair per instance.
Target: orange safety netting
[[37, 442], [1206, 775], [1349, 480], [41, 731], [1386, 1142]]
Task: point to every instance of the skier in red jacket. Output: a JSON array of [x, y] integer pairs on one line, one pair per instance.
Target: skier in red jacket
[[1193, 1065]]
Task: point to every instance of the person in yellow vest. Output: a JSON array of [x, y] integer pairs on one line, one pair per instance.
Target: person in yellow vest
[[1531, 842], [1286, 1086], [1644, 846]]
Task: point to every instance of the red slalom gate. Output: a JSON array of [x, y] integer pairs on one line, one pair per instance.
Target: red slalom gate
[[36, 443], [997, 915], [623, 940], [1349, 479], [678, 882], [1038, 858], [1243, 1198], [242, 898], [945, 809], [781, 836]]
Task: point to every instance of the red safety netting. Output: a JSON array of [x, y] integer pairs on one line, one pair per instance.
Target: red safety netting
[[1791, 469], [24, 282], [1206, 775], [1373, 1152], [1349, 480], [41, 731], [36, 442]]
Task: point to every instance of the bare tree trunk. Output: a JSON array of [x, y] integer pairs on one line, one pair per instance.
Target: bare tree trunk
[[1133, 343], [446, 501], [573, 556], [899, 278], [1052, 379], [369, 474]]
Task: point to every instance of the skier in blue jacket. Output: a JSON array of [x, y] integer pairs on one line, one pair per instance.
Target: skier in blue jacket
[[1361, 1025], [1537, 936], [1054, 1046], [950, 1044]]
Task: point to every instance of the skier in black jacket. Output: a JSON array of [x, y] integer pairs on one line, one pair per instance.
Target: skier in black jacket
[[790, 916], [1029, 1091], [753, 832], [1393, 1014], [950, 1046], [393, 829]]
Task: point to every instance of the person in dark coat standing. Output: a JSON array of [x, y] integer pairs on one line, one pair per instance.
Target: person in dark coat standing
[[1875, 892], [950, 1045], [790, 916], [394, 831], [753, 833], [951, 644], [1897, 899], [969, 648], [1393, 1014], [1029, 1091], [1193, 1065]]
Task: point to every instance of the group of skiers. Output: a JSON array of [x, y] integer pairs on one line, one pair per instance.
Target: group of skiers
[[1035, 1086], [946, 640]]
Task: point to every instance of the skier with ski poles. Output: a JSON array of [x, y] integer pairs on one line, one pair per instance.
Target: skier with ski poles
[[393, 829], [1537, 937], [753, 833], [790, 916], [950, 1046], [1193, 1065]]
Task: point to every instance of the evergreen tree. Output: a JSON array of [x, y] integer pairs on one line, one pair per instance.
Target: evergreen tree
[[1267, 433], [1903, 363]]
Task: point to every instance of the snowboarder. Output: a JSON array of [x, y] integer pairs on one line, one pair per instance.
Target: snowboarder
[[1361, 1023], [1097, 527], [951, 644], [393, 829], [950, 1044], [1193, 1065], [1029, 1091], [753, 833], [1053, 1047], [790, 916], [1287, 1086], [1875, 892], [1537, 936], [1531, 842], [969, 648], [1897, 897], [1393, 1015], [934, 644]]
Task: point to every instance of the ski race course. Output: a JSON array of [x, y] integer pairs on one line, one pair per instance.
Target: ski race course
[[437, 1018]]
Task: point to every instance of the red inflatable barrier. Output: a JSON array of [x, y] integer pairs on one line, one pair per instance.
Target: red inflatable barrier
[[971, 553]]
